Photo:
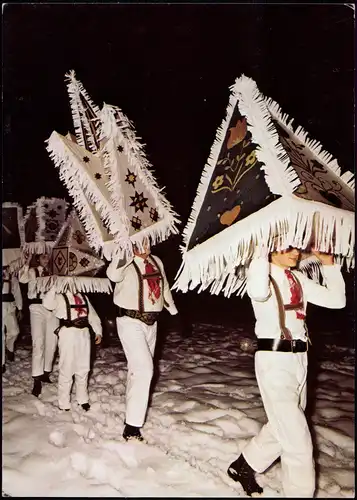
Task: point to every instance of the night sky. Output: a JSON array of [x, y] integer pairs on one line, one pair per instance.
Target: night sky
[[169, 68]]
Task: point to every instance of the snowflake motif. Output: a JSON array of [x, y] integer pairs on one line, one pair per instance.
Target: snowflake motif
[[120, 149], [130, 178], [78, 237], [98, 176], [86, 159], [139, 202], [84, 262], [136, 222], [154, 216]]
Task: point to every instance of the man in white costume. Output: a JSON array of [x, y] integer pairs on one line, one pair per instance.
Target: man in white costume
[[11, 306], [76, 314], [43, 324], [279, 297], [141, 292]]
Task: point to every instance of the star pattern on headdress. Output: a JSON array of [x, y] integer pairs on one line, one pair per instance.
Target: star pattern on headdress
[[139, 202], [136, 223], [120, 149], [154, 215], [98, 176], [130, 178], [78, 237], [84, 262], [86, 159]]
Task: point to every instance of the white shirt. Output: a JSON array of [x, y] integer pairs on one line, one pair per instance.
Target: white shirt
[[28, 275], [265, 305], [14, 288], [56, 302], [126, 292]]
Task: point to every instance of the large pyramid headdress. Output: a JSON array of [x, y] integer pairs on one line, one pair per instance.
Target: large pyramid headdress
[[13, 235], [74, 264], [263, 184], [43, 221], [114, 191]]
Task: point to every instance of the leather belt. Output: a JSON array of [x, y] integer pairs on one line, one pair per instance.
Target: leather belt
[[149, 318], [75, 323], [35, 301], [8, 297], [281, 345]]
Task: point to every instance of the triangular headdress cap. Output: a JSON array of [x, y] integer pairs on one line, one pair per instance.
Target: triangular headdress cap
[[114, 191], [249, 194], [74, 264], [43, 221]]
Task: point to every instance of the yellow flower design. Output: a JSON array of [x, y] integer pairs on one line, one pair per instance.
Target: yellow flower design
[[217, 183], [251, 158]]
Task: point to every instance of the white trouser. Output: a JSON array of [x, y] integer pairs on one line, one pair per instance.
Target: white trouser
[[44, 341], [74, 359], [10, 327], [281, 378], [138, 341]]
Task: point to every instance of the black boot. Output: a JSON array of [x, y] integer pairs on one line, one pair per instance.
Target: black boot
[[37, 386], [10, 356], [85, 406], [46, 378], [242, 472], [131, 432]]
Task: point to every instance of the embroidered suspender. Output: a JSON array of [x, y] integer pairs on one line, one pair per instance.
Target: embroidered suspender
[[77, 322], [141, 278], [141, 287], [285, 332], [73, 306]]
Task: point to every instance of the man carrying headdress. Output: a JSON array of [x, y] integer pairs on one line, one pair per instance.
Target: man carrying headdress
[[43, 322], [43, 221], [266, 191], [75, 266], [279, 297], [141, 292]]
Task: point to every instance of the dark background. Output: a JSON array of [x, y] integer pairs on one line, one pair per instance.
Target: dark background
[[169, 68]]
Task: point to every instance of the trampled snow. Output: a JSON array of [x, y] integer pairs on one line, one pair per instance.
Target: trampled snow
[[205, 407]]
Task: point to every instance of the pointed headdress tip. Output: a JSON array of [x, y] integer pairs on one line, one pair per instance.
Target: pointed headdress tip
[[71, 75]]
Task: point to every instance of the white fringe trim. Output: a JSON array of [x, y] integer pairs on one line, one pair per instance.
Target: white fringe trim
[[80, 120], [85, 284], [213, 262], [121, 132], [312, 267], [76, 178], [279, 175], [314, 146]]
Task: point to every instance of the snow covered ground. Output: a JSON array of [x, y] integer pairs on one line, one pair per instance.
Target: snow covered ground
[[205, 407]]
